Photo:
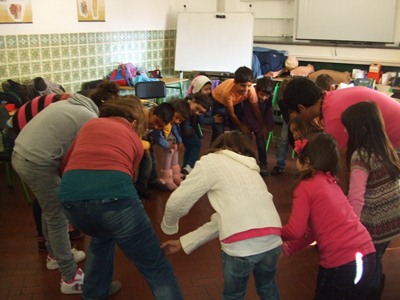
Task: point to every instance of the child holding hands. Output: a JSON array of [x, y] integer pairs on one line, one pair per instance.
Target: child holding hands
[[322, 213]]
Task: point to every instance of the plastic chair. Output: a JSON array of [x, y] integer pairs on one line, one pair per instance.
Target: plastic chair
[[151, 90], [277, 117]]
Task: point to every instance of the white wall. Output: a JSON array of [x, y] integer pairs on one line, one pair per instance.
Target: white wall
[[60, 16]]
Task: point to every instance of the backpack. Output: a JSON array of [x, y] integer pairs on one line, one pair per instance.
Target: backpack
[[10, 98], [270, 60], [119, 76], [123, 75], [44, 86], [130, 70], [25, 92]]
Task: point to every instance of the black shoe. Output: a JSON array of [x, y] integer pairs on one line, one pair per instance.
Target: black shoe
[[263, 170], [75, 234], [277, 170]]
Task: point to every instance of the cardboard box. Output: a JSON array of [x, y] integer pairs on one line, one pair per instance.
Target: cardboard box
[[375, 76], [375, 68]]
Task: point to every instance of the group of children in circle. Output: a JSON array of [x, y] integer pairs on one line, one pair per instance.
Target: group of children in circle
[[351, 230]]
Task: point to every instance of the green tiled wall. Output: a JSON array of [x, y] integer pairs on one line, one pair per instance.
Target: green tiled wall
[[74, 58]]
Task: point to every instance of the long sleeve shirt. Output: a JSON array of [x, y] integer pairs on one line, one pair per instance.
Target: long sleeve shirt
[[322, 212], [235, 190]]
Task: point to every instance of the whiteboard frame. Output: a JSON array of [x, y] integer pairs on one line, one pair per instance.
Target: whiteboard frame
[[214, 42]]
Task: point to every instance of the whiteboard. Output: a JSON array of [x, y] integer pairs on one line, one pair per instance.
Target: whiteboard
[[214, 42], [370, 21]]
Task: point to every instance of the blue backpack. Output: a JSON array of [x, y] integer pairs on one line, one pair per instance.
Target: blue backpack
[[270, 60]]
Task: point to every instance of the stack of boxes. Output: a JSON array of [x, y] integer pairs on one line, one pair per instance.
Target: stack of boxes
[[375, 72]]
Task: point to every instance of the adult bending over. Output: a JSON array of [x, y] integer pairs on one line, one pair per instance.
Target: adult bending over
[[100, 198]]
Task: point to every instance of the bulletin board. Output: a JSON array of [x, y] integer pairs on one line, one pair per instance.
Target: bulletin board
[[213, 42]]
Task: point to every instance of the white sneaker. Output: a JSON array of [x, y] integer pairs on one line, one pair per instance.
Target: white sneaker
[[186, 170], [51, 262], [75, 285]]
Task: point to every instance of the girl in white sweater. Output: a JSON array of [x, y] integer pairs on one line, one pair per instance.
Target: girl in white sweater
[[246, 220]]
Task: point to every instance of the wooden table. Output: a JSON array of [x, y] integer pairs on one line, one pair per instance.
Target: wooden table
[[170, 83]]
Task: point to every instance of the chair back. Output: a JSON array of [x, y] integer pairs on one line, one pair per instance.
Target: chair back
[[150, 89]]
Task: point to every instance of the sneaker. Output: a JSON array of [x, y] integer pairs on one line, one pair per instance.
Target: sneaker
[[74, 233], [115, 288], [186, 170], [263, 170], [51, 262], [277, 170], [75, 285], [42, 244]]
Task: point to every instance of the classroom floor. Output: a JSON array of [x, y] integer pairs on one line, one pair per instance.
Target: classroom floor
[[23, 274]]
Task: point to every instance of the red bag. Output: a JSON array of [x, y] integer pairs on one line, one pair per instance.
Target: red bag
[[119, 77]]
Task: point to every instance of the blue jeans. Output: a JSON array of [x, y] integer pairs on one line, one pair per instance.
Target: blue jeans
[[338, 283], [192, 150], [283, 147], [124, 223], [219, 109], [377, 278], [237, 271], [262, 153]]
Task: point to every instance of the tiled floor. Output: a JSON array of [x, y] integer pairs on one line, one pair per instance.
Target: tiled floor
[[23, 274]]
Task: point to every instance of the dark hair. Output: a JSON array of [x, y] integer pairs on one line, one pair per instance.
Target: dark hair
[[321, 153], [243, 75], [366, 130], [128, 107], [234, 141], [302, 91], [182, 107], [106, 91], [265, 85], [165, 111], [324, 82], [201, 99]]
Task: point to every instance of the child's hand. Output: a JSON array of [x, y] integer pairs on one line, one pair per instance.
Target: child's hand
[[171, 146], [218, 119], [171, 246], [245, 129]]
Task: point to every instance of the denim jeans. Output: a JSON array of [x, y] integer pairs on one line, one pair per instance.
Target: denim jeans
[[219, 109], [283, 147], [339, 283], [262, 153], [124, 223], [377, 278], [192, 150], [44, 182], [237, 271]]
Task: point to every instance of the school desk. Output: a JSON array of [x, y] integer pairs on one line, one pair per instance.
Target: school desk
[[170, 83]]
